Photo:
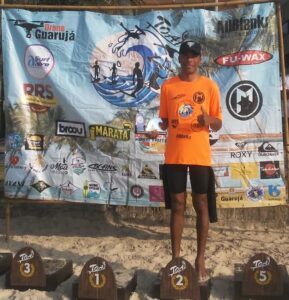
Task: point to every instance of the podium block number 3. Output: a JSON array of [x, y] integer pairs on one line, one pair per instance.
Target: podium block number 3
[[27, 269]]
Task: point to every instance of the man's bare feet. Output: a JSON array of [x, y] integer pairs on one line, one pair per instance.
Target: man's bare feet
[[201, 270]]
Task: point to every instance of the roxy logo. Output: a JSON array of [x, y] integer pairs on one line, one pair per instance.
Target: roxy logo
[[65, 128], [241, 145], [241, 153], [249, 57], [39, 61]]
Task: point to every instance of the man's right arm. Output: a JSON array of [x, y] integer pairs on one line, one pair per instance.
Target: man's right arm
[[163, 112], [154, 133], [164, 124]]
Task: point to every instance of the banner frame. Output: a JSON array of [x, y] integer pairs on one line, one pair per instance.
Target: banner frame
[[135, 7], [216, 4]]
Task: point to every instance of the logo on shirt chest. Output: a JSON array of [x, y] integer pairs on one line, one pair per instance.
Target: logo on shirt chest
[[199, 97], [185, 110]]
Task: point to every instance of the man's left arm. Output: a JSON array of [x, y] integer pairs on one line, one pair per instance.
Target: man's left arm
[[215, 112]]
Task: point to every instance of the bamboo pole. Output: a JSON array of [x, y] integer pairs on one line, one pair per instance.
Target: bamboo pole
[[134, 7], [283, 69], [285, 104]]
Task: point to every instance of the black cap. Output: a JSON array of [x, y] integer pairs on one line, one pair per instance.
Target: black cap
[[190, 47]]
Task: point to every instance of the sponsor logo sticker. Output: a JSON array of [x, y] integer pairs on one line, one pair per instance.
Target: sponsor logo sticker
[[136, 191], [255, 193], [147, 173], [38, 97], [40, 186], [156, 193], [34, 142], [68, 188], [103, 167], [69, 128], [91, 189], [120, 134], [39, 61], [247, 57], [221, 171], [244, 100], [267, 149], [78, 165], [14, 140], [274, 190], [269, 169]]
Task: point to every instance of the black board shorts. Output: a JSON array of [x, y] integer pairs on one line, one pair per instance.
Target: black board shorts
[[177, 178]]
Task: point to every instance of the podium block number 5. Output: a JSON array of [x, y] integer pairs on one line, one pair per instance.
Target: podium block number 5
[[263, 277]]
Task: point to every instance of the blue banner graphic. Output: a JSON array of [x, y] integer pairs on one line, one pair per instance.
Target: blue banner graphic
[[81, 89]]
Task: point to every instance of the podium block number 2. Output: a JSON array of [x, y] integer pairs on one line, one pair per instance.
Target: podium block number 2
[[179, 282]]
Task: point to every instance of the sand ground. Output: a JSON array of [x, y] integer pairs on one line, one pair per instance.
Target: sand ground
[[134, 239]]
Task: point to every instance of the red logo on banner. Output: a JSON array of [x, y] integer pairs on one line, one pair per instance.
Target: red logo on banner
[[14, 160], [248, 57]]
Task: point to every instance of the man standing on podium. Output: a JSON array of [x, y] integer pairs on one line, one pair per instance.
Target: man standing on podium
[[190, 104]]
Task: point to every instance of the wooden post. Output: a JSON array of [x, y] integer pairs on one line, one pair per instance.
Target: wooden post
[[7, 220]]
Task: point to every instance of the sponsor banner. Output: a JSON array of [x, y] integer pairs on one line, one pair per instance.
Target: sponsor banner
[[82, 91]]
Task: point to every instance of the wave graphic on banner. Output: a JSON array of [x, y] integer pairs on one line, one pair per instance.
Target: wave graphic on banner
[[135, 73]]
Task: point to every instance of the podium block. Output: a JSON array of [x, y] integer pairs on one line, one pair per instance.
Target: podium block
[[30, 271], [179, 280], [5, 262], [99, 281], [261, 279]]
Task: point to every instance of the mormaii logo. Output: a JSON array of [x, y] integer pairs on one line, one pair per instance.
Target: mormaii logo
[[67, 128], [248, 57]]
